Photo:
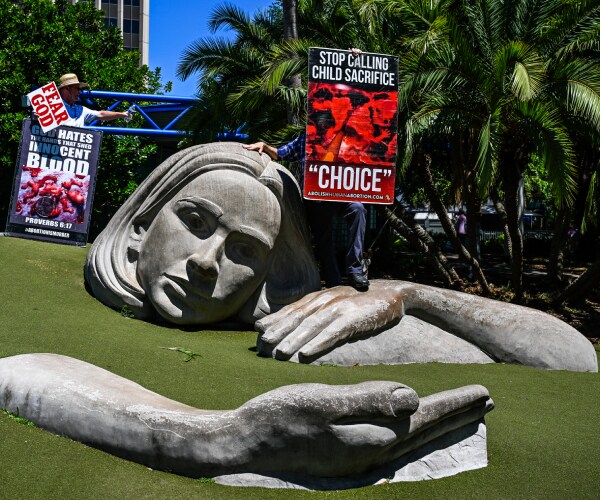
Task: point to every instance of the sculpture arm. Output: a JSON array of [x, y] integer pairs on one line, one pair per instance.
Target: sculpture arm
[[310, 428], [508, 333], [304, 432], [327, 318]]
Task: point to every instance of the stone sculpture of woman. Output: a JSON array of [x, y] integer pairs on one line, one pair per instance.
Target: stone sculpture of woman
[[217, 233]]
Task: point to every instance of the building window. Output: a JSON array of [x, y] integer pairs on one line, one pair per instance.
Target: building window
[[110, 9], [135, 3], [110, 21], [131, 26]]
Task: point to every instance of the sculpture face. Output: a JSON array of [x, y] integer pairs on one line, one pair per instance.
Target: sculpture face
[[207, 250]]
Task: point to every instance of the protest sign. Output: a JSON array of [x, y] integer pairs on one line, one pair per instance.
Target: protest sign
[[54, 184], [48, 106], [351, 134]]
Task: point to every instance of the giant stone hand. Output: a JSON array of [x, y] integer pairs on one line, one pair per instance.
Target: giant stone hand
[[311, 434]]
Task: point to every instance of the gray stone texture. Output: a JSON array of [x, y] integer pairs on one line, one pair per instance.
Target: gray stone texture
[[307, 435], [402, 322]]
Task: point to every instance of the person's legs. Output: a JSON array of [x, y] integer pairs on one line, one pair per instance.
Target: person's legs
[[355, 216], [320, 219]]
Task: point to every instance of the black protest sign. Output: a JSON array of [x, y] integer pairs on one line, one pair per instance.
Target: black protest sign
[[54, 184]]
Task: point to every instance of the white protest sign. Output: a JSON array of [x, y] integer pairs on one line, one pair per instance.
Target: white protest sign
[[48, 106]]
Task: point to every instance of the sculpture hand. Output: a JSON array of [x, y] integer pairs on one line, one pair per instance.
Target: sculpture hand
[[325, 430], [300, 431], [324, 319]]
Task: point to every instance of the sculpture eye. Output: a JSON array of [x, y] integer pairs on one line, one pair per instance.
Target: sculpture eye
[[244, 250], [197, 221]]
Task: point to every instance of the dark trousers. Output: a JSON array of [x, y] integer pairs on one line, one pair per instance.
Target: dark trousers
[[320, 219]]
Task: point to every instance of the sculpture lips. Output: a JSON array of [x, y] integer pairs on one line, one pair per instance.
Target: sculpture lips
[[184, 288]]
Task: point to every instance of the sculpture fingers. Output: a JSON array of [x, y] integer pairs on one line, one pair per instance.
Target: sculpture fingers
[[341, 318], [446, 416], [303, 307], [327, 404], [301, 335], [284, 333], [334, 334], [301, 320], [445, 404], [269, 338], [345, 311], [350, 323]]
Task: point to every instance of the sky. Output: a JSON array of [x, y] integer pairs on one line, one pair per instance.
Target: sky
[[173, 30]]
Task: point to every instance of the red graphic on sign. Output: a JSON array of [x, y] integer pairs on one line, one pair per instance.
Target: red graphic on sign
[[53, 195], [351, 125]]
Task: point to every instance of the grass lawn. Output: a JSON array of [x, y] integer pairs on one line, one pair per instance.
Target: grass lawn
[[543, 435]]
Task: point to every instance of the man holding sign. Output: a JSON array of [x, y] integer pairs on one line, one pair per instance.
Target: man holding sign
[[348, 150], [69, 88]]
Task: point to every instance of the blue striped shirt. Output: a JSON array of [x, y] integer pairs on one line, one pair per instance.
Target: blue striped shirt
[[294, 150]]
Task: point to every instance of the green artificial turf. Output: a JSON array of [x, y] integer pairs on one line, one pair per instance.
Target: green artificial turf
[[543, 435]]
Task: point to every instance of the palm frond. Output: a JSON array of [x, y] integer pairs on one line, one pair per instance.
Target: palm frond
[[573, 28], [520, 67], [553, 145], [488, 147], [229, 16], [577, 85], [484, 23]]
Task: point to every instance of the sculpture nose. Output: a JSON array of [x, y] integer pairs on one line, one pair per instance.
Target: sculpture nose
[[204, 262]]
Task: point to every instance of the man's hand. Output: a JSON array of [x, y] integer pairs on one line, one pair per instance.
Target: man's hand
[[262, 147]]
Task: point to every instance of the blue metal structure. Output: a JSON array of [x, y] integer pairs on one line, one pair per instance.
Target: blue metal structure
[[161, 112], [154, 109], [236, 135]]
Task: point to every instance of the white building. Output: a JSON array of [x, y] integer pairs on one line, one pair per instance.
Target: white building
[[132, 18]]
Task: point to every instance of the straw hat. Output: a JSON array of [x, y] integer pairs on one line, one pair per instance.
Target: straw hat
[[71, 79]]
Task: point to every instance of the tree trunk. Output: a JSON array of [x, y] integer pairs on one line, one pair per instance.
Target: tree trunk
[[578, 290], [398, 215], [290, 32], [473, 203], [557, 248], [290, 19], [418, 241], [424, 162], [511, 188], [470, 189], [501, 211]]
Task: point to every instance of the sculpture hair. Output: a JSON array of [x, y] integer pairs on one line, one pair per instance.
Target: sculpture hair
[[111, 265]]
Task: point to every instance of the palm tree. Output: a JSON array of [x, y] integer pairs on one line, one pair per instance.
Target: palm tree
[[507, 73], [250, 77], [230, 75]]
